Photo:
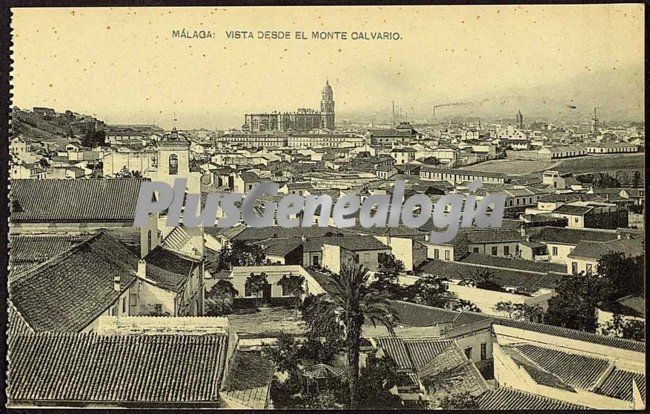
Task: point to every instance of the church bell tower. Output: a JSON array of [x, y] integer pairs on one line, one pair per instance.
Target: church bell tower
[[327, 107]]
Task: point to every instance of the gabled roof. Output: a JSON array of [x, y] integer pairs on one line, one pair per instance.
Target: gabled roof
[[70, 290], [75, 200], [96, 369]]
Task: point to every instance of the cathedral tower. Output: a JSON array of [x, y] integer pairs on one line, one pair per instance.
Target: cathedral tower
[[327, 107]]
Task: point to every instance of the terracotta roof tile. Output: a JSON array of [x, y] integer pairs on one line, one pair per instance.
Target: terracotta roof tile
[[75, 200], [70, 290], [98, 369]]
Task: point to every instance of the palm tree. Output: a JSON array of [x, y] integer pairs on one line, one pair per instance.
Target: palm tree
[[350, 302]]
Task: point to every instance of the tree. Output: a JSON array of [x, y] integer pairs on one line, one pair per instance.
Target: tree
[[465, 306], [460, 401], [622, 275], [94, 139], [520, 311], [240, 253], [431, 161], [430, 291], [625, 328], [220, 298], [350, 303], [574, 306], [482, 278], [376, 379], [387, 276], [294, 285], [255, 284]]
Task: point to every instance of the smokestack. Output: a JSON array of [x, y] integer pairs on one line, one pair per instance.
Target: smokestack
[[116, 283], [142, 268]]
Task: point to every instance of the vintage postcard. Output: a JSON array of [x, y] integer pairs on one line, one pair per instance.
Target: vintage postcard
[[395, 207]]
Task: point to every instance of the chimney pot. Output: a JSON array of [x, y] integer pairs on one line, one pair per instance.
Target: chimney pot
[[116, 283]]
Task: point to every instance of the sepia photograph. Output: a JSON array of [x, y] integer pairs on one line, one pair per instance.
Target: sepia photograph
[[435, 207]]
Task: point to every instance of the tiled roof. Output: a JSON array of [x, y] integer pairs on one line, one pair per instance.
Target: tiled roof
[[612, 341], [98, 369], [168, 269], [248, 379], [440, 363], [493, 236], [628, 305], [618, 384], [75, 200], [574, 370], [70, 290], [527, 281], [280, 247], [256, 234], [357, 243], [512, 399], [412, 314], [597, 249], [573, 210], [565, 235], [30, 250], [513, 263]]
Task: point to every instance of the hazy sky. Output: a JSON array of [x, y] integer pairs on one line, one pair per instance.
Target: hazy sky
[[123, 64]]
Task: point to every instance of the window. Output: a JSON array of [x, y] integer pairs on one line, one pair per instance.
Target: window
[[124, 305], [134, 299], [506, 250], [574, 267], [447, 255], [554, 251], [315, 260], [495, 250], [589, 268], [436, 254], [468, 352], [173, 164], [149, 241], [476, 250], [111, 311], [483, 351], [356, 258]]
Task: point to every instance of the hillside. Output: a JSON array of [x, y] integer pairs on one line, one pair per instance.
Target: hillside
[[59, 128]]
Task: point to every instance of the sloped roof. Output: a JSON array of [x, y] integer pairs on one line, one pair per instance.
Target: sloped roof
[[573, 210], [565, 235], [30, 250], [528, 281], [248, 379], [70, 290], [572, 369], [612, 341], [513, 263], [618, 384], [75, 200], [116, 369], [413, 314], [357, 243], [597, 249], [506, 398]]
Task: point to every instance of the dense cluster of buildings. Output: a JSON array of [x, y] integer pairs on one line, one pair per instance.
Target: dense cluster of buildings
[[102, 303]]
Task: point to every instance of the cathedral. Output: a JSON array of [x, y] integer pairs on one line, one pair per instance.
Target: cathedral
[[303, 120]]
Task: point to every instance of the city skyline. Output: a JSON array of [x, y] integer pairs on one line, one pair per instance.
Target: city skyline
[[215, 81]]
